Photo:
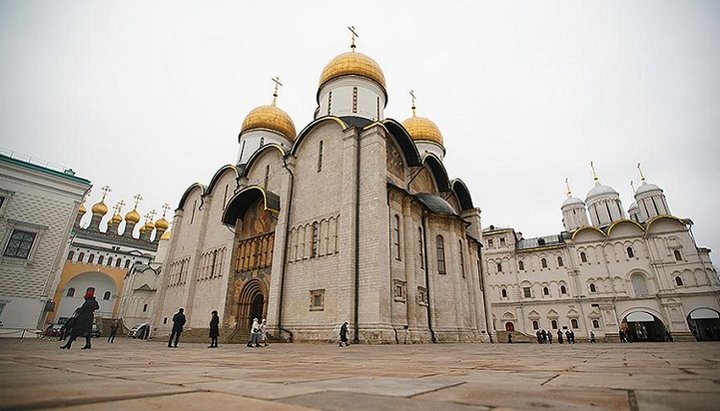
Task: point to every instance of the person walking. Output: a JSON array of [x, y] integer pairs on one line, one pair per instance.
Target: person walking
[[113, 331], [539, 337], [344, 334], [509, 338], [549, 337], [178, 323], [263, 332], [543, 337], [592, 337], [254, 334], [560, 337], [83, 323], [668, 336], [572, 337], [214, 329], [567, 337]]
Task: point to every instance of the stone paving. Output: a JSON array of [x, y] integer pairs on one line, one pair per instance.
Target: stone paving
[[133, 374]]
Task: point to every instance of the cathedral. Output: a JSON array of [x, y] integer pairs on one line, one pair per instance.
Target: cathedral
[[638, 275], [353, 218]]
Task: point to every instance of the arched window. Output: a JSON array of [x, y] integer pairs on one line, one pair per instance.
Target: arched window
[[499, 267], [639, 284], [553, 324], [583, 257], [81, 257], [596, 324], [543, 263], [91, 258], [106, 296], [118, 262], [630, 252], [462, 260], [440, 246], [503, 293], [101, 259], [396, 237], [563, 290], [574, 323], [678, 281], [110, 260], [262, 141], [546, 291], [70, 292], [678, 257], [127, 263], [145, 308], [71, 254], [315, 239], [536, 326], [267, 175], [521, 266], [320, 156], [592, 288], [560, 261]]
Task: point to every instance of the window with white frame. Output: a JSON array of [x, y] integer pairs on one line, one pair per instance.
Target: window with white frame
[[317, 300], [20, 244]]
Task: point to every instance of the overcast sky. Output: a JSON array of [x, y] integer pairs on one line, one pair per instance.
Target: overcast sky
[[148, 97]]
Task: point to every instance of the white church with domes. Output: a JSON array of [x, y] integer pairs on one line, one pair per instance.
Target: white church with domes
[[642, 276], [353, 218]]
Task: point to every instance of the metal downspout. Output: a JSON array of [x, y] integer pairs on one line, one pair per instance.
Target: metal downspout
[[285, 251], [356, 337], [427, 280]]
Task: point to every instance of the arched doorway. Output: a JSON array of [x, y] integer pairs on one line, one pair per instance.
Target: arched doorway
[[252, 304], [509, 326], [641, 326], [704, 323]]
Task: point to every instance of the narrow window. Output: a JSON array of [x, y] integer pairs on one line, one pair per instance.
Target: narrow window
[[262, 141], [527, 293], [503, 293], [440, 255], [71, 254], [242, 149], [543, 263], [355, 99], [118, 262], [592, 288], [490, 243], [225, 196], [499, 267], [320, 156], [377, 108], [560, 262], [502, 242], [396, 237], [563, 290], [110, 260], [553, 324], [678, 281], [315, 239], [678, 257], [421, 247], [583, 257], [145, 308], [106, 296], [267, 175], [81, 258], [101, 259], [574, 324], [329, 106], [192, 216], [535, 324], [71, 292], [91, 258], [596, 323], [462, 259], [20, 244], [127, 263], [546, 291], [521, 266], [630, 252]]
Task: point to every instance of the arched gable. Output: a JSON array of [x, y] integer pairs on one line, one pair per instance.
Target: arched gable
[[626, 228], [588, 233], [188, 191], [238, 205], [672, 220], [258, 154], [404, 141], [305, 131], [462, 193], [438, 171], [218, 175]]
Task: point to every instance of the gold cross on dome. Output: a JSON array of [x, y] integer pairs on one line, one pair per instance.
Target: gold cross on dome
[[105, 190], [165, 207], [567, 184], [118, 207], [152, 214], [412, 96], [632, 185], [595, 177], [353, 35], [137, 198], [278, 84], [642, 177]]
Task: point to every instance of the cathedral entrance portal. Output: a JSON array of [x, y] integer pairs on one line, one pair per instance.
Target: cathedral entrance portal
[[252, 305], [704, 323], [642, 326]]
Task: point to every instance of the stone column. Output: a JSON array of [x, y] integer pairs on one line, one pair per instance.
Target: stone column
[[409, 244]]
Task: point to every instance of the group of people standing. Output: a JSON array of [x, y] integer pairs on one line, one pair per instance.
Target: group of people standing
[[258, 334], [546, 337]]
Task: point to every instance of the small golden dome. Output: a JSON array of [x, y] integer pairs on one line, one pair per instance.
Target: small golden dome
[[423, 129], [271, 118], [352, 64], [82, 209], [99, 208], [132, 217], [149, 225], [116, 218], [162, 224], [165, 236]]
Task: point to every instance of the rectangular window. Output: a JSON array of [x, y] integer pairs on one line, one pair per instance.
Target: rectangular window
[[20, 244], [91, 258], [396, 237], [440, 255], [317, 300], [526, 292], [101, 259], [399, 290], [502, 242], [422, 296], [490, 243]]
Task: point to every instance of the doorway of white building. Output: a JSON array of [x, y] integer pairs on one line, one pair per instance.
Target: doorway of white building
[[704, 323], [641, 326]]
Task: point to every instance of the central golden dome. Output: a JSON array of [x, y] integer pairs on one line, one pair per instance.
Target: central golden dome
[[423, 129], [99, 208], [162, 224], [271, 118], [132, 216], [352, 64]]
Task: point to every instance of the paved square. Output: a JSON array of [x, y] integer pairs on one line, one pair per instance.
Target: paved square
[[133, 374]]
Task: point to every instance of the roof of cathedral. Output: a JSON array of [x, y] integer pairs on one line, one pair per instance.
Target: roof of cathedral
[[599, 190], [572, 201], [269, 117], [436, 204], [352, 64], [646, 188]]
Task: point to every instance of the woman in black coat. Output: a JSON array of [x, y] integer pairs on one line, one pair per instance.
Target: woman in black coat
[[84, 322], [214, 330]]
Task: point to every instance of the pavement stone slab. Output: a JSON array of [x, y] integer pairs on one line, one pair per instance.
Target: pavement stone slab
[[341, 401]]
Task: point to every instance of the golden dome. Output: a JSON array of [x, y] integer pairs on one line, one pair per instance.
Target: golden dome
[[116, 219], [99, 208], [149, 225], [352, 64], [82, 209], [132, 217], [162, 224], [166, 235], [271, 118], [423, 129]]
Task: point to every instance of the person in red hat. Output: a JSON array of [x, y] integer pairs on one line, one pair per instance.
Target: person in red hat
[[84, 321]]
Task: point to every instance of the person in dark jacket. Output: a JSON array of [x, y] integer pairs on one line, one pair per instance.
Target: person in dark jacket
[[113, 331], [178, 323], [344, 334], [214, 329], [84, 322]]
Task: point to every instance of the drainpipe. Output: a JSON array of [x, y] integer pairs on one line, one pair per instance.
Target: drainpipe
[[356, 337], [489, 325], [427, 279], [285, 248]]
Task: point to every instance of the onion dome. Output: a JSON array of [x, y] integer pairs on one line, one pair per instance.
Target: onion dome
[[148, 225], [269, 118], [572, 201], [99, 208], [162, 224], [132, 216], [116, 218], [82, 209], [646, 188], [165, 236], [633, 207], [352, 64], [423, 129], [600, 190]]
